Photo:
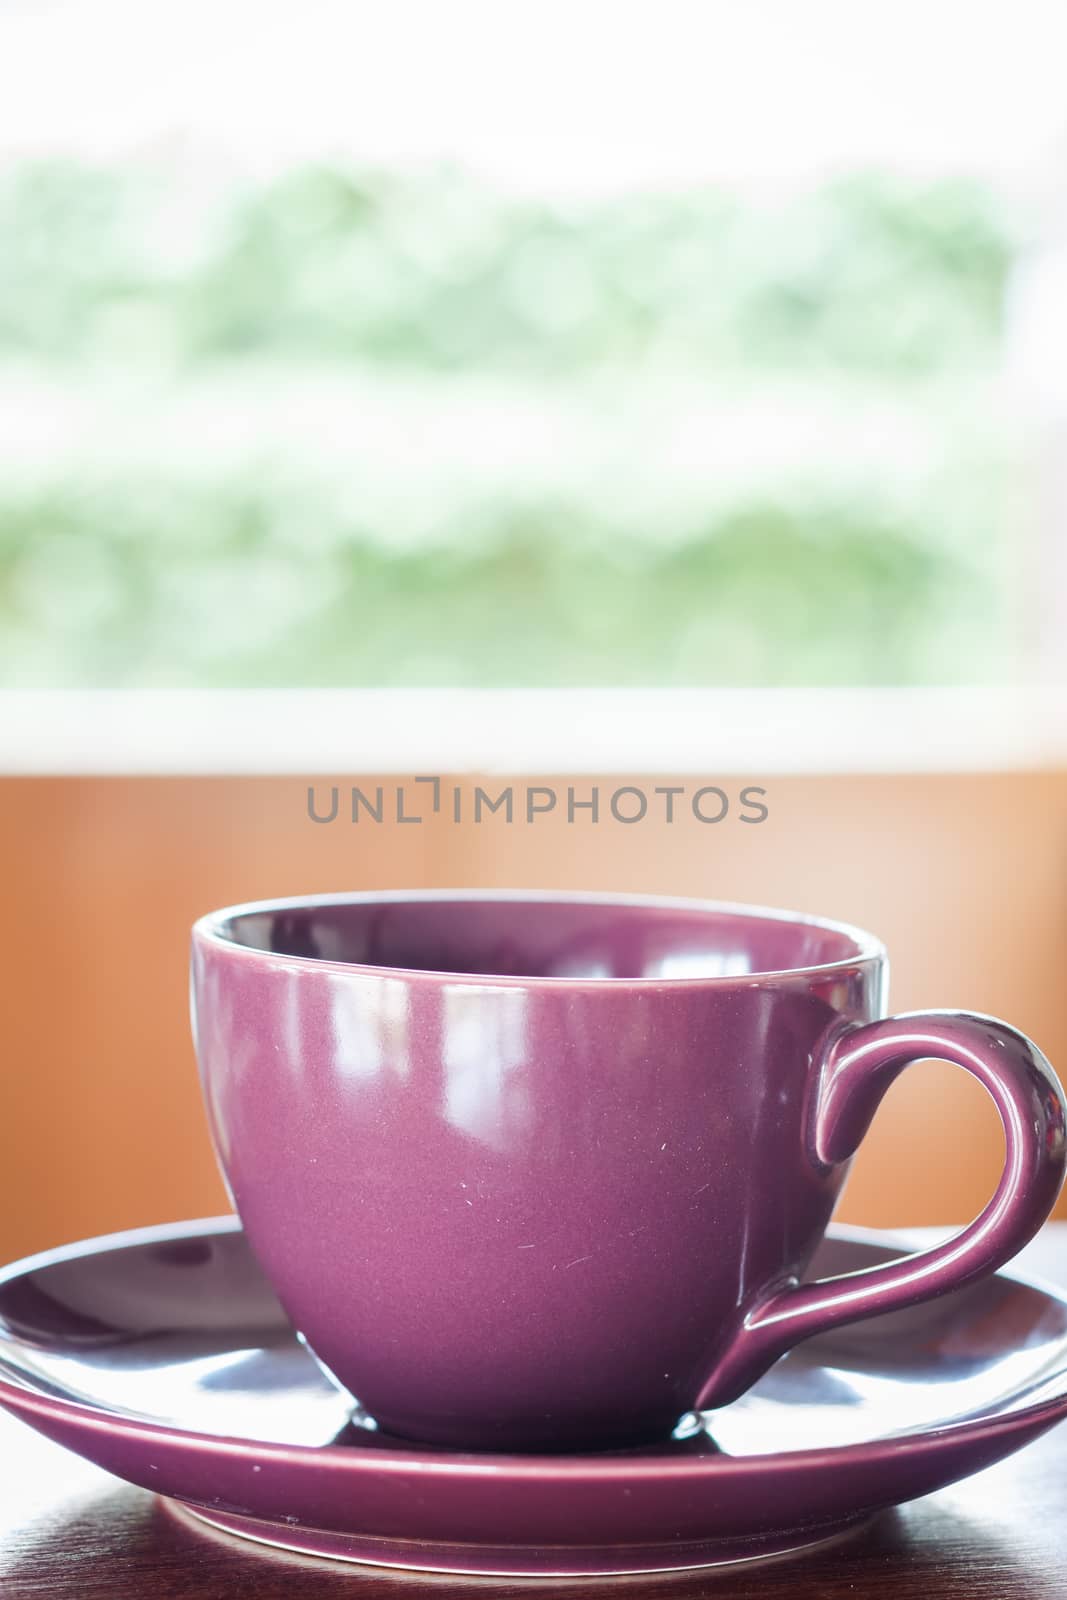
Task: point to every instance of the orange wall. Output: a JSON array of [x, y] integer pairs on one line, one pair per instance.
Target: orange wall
[[102, 1128]]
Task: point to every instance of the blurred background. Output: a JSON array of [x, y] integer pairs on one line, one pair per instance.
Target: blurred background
[[674, 347]]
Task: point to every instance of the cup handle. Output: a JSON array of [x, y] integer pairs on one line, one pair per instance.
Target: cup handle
[[860, 1061]]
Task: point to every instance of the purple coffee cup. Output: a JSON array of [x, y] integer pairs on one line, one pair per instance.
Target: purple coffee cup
[[540, 1171]]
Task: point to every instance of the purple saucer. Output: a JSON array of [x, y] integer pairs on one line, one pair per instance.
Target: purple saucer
[[164, 1356]]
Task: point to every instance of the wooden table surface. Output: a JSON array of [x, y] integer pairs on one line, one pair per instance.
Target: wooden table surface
[[67, 1529]]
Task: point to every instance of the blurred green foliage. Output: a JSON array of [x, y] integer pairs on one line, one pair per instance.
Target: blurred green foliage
[[440, 272], [192, 577], [162, 585]]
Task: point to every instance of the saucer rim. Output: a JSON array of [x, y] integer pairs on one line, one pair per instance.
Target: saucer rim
[[589, 1466]]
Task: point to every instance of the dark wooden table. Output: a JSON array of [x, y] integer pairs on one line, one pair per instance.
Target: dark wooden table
[[69, 1530]]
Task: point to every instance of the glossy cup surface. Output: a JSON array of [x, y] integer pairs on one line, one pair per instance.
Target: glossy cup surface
[[510, 1158]]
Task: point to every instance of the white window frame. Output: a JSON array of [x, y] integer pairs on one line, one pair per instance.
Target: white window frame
[[757, 732]]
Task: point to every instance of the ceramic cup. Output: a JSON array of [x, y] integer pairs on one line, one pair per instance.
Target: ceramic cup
[[545, 1171]]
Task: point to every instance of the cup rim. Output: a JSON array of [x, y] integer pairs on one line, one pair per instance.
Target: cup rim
[[207, 930]]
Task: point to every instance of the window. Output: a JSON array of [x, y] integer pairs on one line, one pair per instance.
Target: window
[[683, 346]]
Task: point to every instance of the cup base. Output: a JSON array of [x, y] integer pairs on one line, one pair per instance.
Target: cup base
[[529, 1438]]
